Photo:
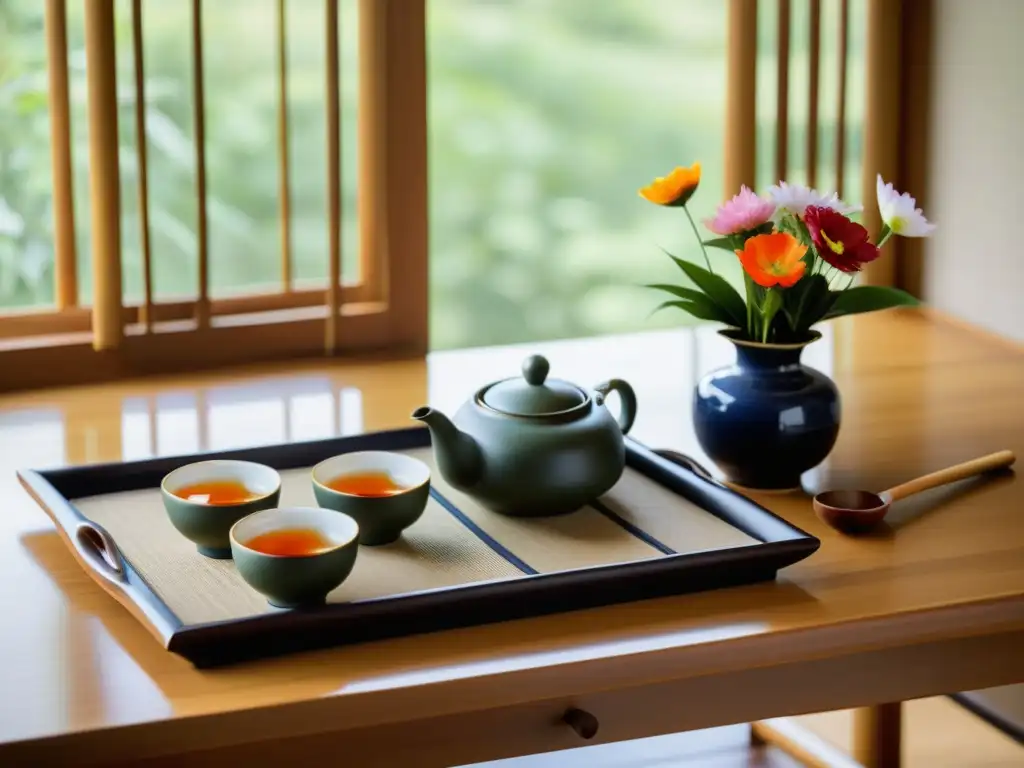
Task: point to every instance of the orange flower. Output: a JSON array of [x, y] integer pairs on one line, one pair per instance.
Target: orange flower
[[674, 189], [775, 259]]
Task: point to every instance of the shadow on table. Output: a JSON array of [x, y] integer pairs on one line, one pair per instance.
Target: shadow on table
[[905, 514]]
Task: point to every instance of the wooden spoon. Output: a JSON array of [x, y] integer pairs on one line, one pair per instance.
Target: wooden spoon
[[859, 511]]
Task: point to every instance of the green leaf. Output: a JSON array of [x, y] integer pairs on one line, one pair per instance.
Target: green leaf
[[869, 298], [694, 302], [808, 303], [725, 243], [769, 308], [818, 309], [718, 290], [689, 294], [702, 308]]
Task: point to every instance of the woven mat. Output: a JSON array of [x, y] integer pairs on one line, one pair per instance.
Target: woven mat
[[437, 551]]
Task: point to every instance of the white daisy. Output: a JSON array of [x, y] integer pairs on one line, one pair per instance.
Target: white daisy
[[794, 199], [900, 212]]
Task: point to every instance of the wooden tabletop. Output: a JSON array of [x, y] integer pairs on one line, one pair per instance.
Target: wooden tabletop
[[919, 392]]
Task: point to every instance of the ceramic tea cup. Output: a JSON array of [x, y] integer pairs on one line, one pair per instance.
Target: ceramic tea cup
[[384, 492], [204, 499], [294, 556]]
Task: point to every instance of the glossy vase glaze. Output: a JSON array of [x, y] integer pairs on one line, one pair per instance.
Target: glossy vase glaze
[[767, 418]]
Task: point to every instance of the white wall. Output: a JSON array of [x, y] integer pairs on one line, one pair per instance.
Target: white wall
[[975, 261]]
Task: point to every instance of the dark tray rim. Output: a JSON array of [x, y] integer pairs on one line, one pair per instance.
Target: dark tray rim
[[217, 643]]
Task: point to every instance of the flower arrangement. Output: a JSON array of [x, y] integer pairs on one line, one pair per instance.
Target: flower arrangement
[[800, 252]]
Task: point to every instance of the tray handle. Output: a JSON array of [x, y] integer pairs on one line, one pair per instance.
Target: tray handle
[[99, 551]]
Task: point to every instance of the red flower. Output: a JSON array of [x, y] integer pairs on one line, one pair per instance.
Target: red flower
[[839, 241]]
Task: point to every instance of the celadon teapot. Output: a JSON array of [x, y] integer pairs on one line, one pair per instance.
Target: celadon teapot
[[531, 446]]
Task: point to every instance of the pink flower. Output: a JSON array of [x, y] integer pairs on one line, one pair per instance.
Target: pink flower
[[743, 213]]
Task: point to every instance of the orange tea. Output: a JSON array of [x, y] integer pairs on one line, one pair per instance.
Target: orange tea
[[216, 492], [373, 483], [290, 542]]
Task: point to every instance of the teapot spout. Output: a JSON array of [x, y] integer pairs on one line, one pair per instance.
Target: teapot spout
[[457, 454]]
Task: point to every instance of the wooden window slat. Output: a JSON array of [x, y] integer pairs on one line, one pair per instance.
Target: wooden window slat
[[814, 65], [372, 126], [146, 310], [782, 93], [104, 173], [284, 193], [881, 122], [844, 35], [199, 138], [65, 259], [333, 102], [741, 97]]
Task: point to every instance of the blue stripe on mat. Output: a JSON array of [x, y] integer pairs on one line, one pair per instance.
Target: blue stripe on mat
[[641, 534], [481, 534]]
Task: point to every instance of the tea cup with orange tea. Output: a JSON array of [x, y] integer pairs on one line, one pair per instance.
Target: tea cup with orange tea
[[204, 499], [384, 492], [295, 556]]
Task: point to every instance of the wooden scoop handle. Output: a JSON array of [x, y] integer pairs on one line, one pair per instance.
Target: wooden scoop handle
[[998, 460]]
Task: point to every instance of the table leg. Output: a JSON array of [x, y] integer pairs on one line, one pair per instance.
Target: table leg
[[876, 735], [800, 743], [876, 740]]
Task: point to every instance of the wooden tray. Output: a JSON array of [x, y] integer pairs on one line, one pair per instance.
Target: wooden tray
[[663, 529]]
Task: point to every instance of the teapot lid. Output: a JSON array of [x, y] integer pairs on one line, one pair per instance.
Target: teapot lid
[[533, 394]]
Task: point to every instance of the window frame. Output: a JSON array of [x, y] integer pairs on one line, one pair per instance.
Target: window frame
[[385, 310]]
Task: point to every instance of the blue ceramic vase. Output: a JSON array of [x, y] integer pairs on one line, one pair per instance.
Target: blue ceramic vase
[[767, 418]]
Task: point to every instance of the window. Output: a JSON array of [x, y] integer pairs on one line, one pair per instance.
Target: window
[[221, 237], [545, 118], [277, 202]]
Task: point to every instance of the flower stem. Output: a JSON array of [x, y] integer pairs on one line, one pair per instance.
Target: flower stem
[[696, 234], [751, 315], [884, 236]]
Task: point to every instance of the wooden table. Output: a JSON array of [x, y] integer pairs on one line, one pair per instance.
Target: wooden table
[[931, 605]]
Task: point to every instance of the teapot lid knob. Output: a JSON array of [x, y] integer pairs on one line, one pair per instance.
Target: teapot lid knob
[[535, 369]]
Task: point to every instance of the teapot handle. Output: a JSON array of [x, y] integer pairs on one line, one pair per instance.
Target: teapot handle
[[627, 398]]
